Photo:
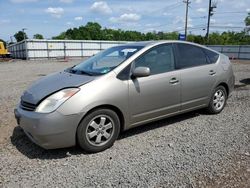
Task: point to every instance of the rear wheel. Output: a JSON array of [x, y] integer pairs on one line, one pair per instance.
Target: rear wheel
[[218, 100], [98, 130]]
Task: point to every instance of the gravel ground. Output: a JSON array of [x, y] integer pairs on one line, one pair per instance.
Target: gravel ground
[[190, 150]]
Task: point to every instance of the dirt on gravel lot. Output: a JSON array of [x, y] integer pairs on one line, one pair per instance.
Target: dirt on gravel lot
[[190, 150]]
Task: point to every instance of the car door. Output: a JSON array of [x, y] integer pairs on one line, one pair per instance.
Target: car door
[[197, 75], [158, 94]]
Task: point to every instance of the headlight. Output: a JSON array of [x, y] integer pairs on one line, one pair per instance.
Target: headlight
[[55, 100]]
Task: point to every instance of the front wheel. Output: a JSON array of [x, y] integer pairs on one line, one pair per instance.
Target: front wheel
[[218, 100], [98, 130]]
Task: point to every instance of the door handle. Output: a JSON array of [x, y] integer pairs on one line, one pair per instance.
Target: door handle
[[173, 81], [212, 72]]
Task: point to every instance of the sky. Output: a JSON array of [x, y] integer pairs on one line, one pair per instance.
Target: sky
[[51, 17]]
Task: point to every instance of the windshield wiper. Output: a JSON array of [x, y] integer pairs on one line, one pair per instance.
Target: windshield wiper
[[87, 73], [70, 69], [73, 71]]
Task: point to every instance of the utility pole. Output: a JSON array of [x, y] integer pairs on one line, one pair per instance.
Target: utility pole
[[24, 37], [186, 22], [25, 42], [210, 13]]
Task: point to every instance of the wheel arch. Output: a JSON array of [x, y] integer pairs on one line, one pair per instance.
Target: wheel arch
[[225, 86], [110, 107]]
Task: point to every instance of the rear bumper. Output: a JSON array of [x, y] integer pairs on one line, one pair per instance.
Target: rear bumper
[[50, 131]]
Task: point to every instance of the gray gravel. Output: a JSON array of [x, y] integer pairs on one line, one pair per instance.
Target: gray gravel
[[190, 150]]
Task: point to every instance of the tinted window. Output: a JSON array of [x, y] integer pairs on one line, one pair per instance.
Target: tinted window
[[190, 56], [160, 59], [212, 56], [125, 73]]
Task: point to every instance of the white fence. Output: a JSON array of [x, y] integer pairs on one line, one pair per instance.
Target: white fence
[[38, 49]]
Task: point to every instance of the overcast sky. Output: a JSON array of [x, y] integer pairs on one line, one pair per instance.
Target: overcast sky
[[51, 17]]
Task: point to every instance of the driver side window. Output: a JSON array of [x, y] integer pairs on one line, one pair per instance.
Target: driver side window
[[160, 59]]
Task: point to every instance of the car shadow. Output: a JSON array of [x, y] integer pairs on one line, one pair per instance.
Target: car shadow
[[32, 151], [243, 86], [160, 123], [245, 81]]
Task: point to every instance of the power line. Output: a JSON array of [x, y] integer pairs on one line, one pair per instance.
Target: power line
[[227, 26], [168, 7], [232, 12], [223, 23], [171, 6], [217, 16], [201, 26], [199, 17], [191, 29]]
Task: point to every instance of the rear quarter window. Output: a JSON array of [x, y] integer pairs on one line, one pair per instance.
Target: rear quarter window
[[212, 56]]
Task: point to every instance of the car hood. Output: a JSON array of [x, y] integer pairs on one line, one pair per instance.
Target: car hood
[[52, 83]]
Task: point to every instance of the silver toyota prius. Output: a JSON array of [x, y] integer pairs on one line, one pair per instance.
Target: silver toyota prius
[[122, 87]]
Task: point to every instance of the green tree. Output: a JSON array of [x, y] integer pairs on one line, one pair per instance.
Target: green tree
[[247, 19], [60, 37], [247, 22], [38, 36], [19, 36], [94, 31]]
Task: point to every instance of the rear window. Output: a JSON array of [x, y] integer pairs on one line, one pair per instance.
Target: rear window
[[212, 56]]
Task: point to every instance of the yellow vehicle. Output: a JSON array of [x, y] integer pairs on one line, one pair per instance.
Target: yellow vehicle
[[3, 51]]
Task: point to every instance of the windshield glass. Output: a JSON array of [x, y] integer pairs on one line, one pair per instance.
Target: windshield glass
[[105, 61]]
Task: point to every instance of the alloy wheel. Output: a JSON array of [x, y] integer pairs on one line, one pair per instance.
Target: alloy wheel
[[100, 130], [219, 100]]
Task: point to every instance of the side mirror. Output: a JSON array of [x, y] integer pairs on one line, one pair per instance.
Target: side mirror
[[141, 72]]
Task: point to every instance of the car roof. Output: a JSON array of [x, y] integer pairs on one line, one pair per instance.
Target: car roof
[[148, 43], [141, 43], [152, 43]]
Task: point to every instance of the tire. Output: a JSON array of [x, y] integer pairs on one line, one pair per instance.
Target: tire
[[98, 130], [217, 102]]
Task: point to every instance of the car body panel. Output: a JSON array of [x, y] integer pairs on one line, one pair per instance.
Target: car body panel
[[50, 131], [196, 84], [98, 94], [153, 96], [52, 83]]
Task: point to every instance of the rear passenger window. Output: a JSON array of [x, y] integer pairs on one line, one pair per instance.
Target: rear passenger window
[[212, 56], [190, 56]]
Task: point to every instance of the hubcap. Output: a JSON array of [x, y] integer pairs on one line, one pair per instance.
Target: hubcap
[[100, 130], [219, 100]]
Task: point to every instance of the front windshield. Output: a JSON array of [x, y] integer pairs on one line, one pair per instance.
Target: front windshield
[[105, 61]]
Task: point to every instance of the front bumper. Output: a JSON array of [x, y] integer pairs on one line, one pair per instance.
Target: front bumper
[[50, 131]]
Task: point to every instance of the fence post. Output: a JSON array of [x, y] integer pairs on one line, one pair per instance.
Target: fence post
[[26, 49], [64, 50], [81, 49], [239, 52], [47, 45]]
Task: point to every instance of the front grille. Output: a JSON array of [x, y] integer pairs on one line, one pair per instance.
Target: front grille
[[27, 106]]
